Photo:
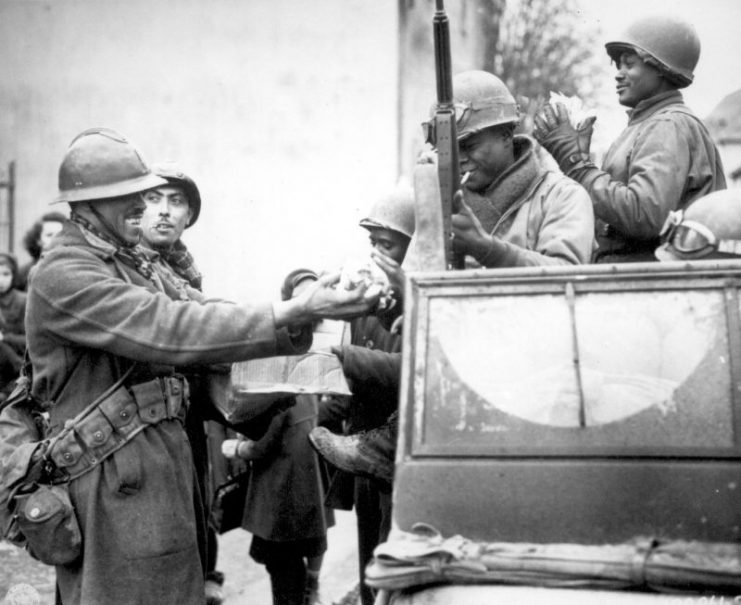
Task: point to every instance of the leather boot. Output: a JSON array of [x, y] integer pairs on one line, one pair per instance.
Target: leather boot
[[368, 453]]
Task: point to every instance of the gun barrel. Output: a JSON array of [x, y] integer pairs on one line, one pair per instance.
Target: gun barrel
[[443, 62]]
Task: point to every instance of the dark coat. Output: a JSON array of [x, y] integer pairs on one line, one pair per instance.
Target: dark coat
[[374, 399], [13, 345], [368, 365], [285, 498], [12, 319]]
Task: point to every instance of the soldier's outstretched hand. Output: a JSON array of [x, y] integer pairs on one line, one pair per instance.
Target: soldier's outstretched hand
[[326, 299]]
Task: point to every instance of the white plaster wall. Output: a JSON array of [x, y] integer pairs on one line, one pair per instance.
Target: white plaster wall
[[284, 111]]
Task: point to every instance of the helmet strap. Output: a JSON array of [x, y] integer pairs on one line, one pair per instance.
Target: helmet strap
[[109, 227]]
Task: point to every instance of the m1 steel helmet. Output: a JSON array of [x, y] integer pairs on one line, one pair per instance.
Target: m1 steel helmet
[[671, 41], [175, 176], [481, 100], [394, 211], [100, 164], [710, 227]]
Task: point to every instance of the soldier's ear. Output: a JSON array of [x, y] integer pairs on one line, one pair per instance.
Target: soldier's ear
[[511, 132]]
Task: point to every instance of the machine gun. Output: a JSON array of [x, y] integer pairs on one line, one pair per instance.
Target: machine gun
[[446, 135]]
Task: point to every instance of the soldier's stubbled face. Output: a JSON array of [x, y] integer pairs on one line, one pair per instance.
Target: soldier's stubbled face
[[485, 155], [166, 216], [123, 215]]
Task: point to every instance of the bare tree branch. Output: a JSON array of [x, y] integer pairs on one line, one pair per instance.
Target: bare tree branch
[[543, 46]]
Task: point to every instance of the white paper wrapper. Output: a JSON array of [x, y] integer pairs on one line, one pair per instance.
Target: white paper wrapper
[[574, 107], [254, 386], [356, 271], [364, 271]]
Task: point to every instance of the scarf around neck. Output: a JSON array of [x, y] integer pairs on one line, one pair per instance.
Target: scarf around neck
[[131, 255], [508, 188], [181, 261]]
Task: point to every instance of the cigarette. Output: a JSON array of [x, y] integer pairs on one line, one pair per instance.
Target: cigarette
[[464, 178]]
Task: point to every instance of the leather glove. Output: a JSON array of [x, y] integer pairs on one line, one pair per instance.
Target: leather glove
[[569, 146]]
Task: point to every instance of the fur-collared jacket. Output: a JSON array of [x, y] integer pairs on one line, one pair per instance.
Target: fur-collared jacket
[[543, 217]]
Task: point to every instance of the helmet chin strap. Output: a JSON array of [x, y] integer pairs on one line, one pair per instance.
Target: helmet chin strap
[[109, 227]]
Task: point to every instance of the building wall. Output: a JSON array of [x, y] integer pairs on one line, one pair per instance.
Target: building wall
[[730, 153], [469, 43], [284, 111]]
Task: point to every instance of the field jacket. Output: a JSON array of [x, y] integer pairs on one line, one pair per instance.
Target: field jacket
[[662, 161], [543, 217]]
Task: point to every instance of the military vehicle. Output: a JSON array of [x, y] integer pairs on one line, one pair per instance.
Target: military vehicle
[[564, 428], [567, 434]]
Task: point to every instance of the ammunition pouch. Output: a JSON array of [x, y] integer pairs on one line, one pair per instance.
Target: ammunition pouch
[[47, 520], [44, 518], [96, 433]]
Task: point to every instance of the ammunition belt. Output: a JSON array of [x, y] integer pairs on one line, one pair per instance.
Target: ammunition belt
[[89, 438]]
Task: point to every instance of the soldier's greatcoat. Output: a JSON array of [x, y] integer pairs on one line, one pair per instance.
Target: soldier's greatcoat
[[89, 318]]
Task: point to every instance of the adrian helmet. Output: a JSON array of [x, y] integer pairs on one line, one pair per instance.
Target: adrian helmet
[[100, 164]]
